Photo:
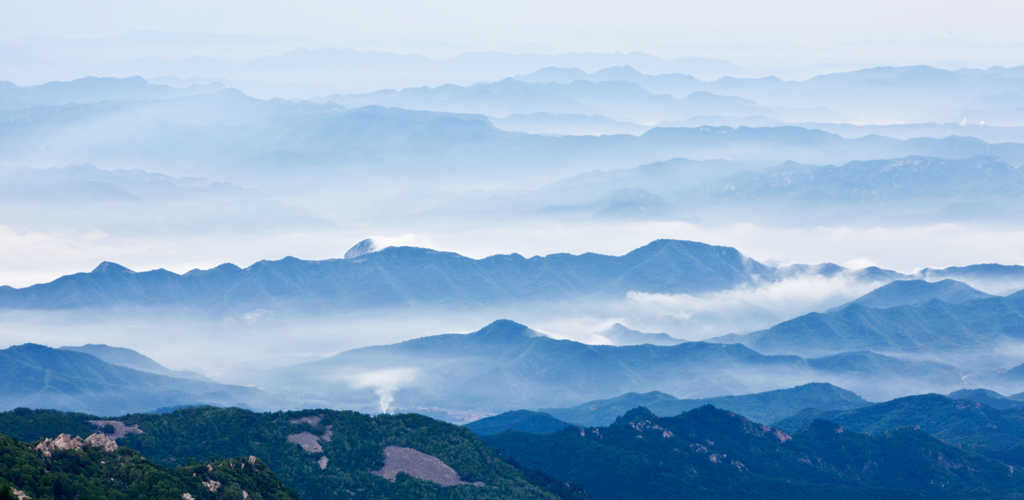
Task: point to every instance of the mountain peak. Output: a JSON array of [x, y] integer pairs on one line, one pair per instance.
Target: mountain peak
[[638, 414], [362, 248], [910, 292], [506, 328], [107, 267]]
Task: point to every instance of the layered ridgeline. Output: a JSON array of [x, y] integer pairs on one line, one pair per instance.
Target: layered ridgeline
[[184, 135], [507, 365], [765, 407], [913, 316], [893, 190], [870, 95], [319, 454], [90, 90], [95, 467], [403, 276], [123, 381], [709, 453]]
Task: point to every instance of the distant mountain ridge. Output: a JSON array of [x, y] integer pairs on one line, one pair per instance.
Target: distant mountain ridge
[[184, 135], [872, 95], [765, 407], [930, 326], [619, 334], [400, 276], [128, 358], [92, 90], [911, 188], [506, 366]]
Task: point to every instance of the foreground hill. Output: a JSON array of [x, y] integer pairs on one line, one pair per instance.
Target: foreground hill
[[69, 467], [712, 454], [931, 326], [400, 276], [37, 376], [320, 454], [507, 365], [765, 407]]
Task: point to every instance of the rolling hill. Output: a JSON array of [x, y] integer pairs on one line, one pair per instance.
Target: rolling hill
[[37, 376]]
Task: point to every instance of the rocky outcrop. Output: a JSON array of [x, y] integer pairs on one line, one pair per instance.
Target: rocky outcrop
[[65, 442]]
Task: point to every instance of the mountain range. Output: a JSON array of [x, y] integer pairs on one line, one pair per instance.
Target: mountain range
[[92, 90], [869, 95], [402, 276], [765, 407], [911, 189], [617, 100], [931, 326], [507, 365], [185, 136]]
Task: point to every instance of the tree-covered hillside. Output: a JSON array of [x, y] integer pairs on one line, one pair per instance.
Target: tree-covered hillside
[[321, 454], [713, 454], [92, 472]]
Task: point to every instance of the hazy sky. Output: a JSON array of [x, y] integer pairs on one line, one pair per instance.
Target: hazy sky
[[977, 32]]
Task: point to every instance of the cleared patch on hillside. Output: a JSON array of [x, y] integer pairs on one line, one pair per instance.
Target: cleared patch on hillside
[[419, 465], [119, 431]]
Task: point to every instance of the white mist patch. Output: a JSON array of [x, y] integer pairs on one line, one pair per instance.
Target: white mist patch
[[746, 306], [383, 382]]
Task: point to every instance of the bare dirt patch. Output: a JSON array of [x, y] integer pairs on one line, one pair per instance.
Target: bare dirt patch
[[120, 430], [312, 420], [419, 465], [309, 442]]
